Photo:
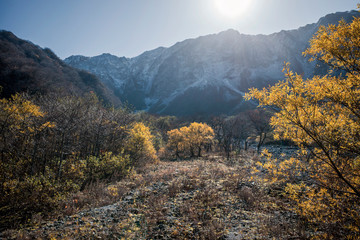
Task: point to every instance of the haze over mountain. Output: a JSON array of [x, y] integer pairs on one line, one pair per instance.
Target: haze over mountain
[[27, 67], [203, 76], [209, 74]]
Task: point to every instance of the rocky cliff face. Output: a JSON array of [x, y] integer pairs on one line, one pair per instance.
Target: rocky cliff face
[[209, 74]]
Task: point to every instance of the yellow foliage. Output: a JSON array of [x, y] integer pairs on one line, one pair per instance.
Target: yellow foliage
[[322, 116], [21, 115], [47, 155], [19, 108], [21, 120], [105, 166], [190, 139], [177, 140], [140, 144]]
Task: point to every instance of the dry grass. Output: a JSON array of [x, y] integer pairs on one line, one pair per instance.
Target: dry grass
[[197, 199]]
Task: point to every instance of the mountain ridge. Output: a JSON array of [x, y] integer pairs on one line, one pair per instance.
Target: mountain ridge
[[26, 67], [213, 71]]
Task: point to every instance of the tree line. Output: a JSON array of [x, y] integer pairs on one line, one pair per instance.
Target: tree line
[[52, 145]]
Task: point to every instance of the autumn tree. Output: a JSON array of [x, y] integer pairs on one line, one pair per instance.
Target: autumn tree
[[322, 116], [190, 140], [176, 141], [199, 134], [139, 144]]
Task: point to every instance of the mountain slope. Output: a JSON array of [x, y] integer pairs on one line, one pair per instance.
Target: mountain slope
[[207, 75], [27, 67]]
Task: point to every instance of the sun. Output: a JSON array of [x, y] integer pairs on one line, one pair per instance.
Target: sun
[[232, 8]]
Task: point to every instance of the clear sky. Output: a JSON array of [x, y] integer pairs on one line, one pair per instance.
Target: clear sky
[[130, 27]]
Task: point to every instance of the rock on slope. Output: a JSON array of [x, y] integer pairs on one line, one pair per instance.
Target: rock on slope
[[206, 75]]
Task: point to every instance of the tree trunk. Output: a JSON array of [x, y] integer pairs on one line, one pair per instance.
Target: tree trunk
[[261, 141], [192, 152], [58, 176]]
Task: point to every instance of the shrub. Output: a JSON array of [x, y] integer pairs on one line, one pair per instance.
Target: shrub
[[107, 166], [23, 197]]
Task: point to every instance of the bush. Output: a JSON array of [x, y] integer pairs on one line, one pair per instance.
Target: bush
[[21, 198], [107, 166]]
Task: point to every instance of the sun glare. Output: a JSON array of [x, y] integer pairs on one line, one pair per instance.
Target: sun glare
[[232, 8]]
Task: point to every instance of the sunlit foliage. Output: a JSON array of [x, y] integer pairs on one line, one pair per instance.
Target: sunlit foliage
[[322, 116], [22, 123], [140, 144], [189, 141], [51, 146]]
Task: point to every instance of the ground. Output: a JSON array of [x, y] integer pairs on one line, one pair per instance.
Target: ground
[[207, 198]]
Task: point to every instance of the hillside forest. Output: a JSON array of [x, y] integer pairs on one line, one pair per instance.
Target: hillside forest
[[184, 178]]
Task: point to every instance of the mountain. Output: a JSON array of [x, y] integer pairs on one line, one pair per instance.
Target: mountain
[[27, 67], [207, 75]]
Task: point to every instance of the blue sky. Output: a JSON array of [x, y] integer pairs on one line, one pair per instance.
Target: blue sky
[[130, 27]]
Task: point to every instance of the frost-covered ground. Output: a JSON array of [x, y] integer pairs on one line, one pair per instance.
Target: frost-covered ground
[[208, 198]]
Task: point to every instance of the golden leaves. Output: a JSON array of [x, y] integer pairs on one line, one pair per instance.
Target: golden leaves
[[22, 115], [337, 45], [139, 144], [322, 116], [190, 138]]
